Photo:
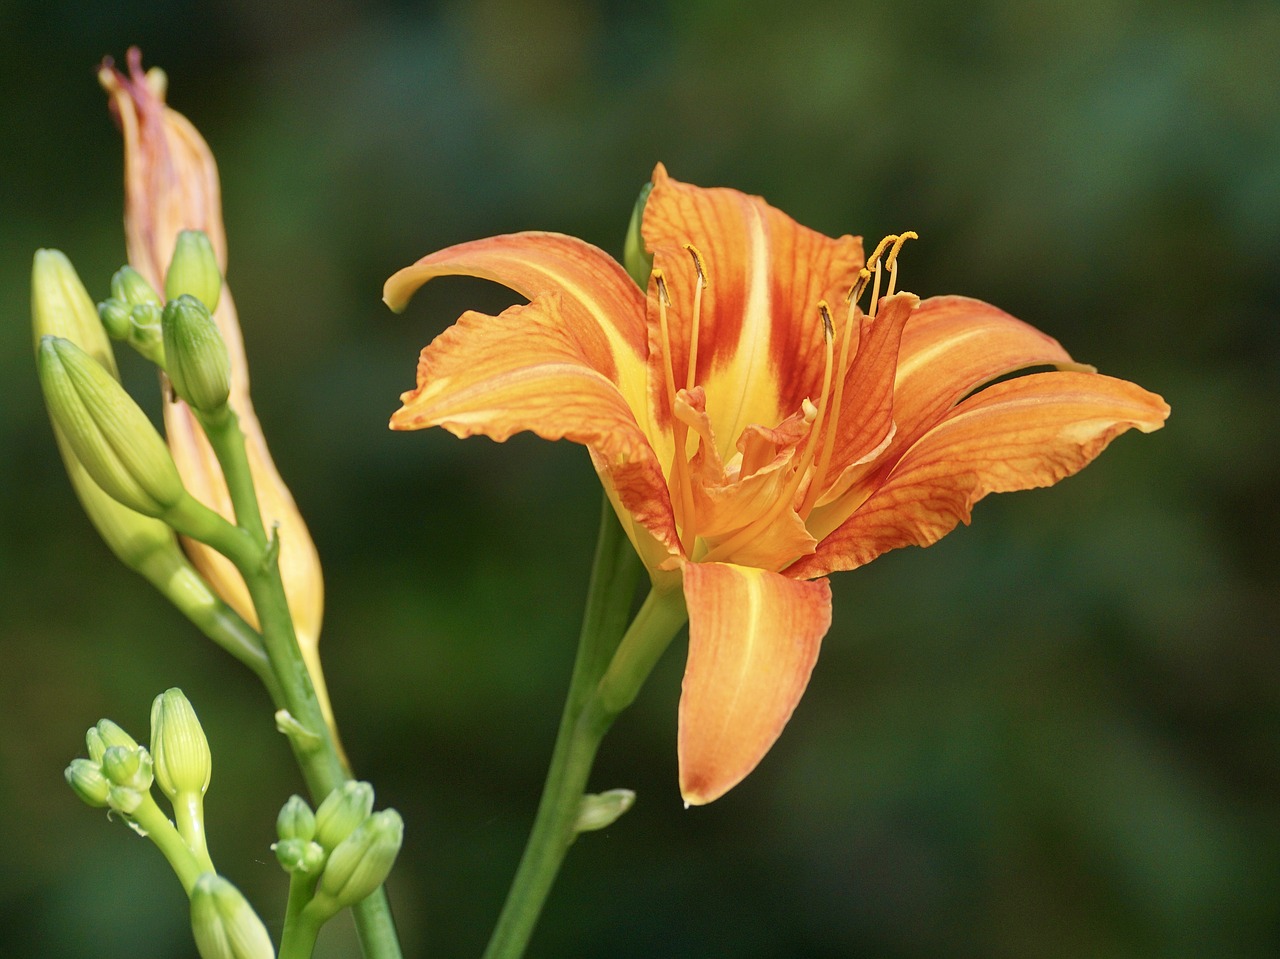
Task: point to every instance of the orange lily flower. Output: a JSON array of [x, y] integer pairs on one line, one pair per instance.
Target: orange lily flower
[[171, 185], [754, 426]]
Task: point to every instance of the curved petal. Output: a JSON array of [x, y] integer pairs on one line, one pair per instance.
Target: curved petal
[[601, 306], [753, 639], [951, 346], [759, 330], [1022, 433]]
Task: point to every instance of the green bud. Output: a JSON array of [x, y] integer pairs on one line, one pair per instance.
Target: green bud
[[125, 799], [178, 746], [193, 271], [60, 306], [108, 432], [196, 358], [637, 260], [86, 778], [299, 855], [362, 861], [114, 315], [224, 924], [130, 768], [296, 820], [342, 811], [597, 810], [104, 734], [131, 288]]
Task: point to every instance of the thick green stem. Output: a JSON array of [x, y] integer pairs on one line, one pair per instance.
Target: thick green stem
[[318, 756], [583, 725], [298, 940]]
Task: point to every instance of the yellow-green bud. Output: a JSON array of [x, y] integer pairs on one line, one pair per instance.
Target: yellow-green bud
[[114, 315], [196, 358], [637, 260], [85, 777], [130, 768], [296, 820], [131, 288], [60, 306], [224, 924], [105, 734], [597, 810], [110, 435], [178, 746], [299, 855], [362, 861], [193, 271], [341, 812]]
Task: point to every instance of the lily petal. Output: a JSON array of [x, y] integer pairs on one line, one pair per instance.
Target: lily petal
[[759, 330], [1022, 433], [600, 305], [753, 640]]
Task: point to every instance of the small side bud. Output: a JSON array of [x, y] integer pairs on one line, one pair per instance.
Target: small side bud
[[299, 855], [85, 777], [178, 746], [598, 810], [104, 734], [114, 315], [637, 260], [224, 924], [342, 811], [193, 271], [196, 358], [362, 861], [130, 768], [131, 288], [296, 820], [110, 435]]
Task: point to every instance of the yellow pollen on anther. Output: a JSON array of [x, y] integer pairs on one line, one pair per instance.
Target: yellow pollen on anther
[[891, 261]]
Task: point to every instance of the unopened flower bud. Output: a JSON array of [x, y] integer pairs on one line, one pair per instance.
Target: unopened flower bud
[[110, 435], [224, 924], [178, 746], [299, 855], [597, 810], [130, 768], [193, 271], [114, 315], [85, 777], [362, 861], [195, 355], [104, 734], [637, 260], [342, 811], [131, 288], [296, 820]]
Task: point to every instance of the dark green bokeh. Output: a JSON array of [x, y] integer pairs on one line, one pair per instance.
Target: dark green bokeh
[[1054, 734]]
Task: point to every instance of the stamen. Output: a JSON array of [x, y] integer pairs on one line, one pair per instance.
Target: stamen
[[875, 268], [859, 285], [891, 261], [837, 400], [681, 482], [695, 324]]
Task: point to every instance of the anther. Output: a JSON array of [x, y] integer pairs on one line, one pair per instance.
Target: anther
[[697, 262], [827, 329], [661, 284], [891, 261]]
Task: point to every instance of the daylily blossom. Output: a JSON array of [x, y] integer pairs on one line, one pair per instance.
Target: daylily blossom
[[767, 411], [171, 185]]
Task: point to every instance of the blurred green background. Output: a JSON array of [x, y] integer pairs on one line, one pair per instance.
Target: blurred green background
[[1054, 734]]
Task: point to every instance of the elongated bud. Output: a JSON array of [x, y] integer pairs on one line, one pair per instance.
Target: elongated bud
[[637, 260], [60, 306], [195, 356], [224, 924], [193, 271], [131, 288], [296, 820], [362, 861], [597, 810], [342, 811], [179, 748], [110, 435], [85, 777]]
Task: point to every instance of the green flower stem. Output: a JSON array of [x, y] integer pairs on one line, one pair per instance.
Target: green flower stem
[[323, 767], [188, 815], [157, 827], [587, 717], [298, 941]]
